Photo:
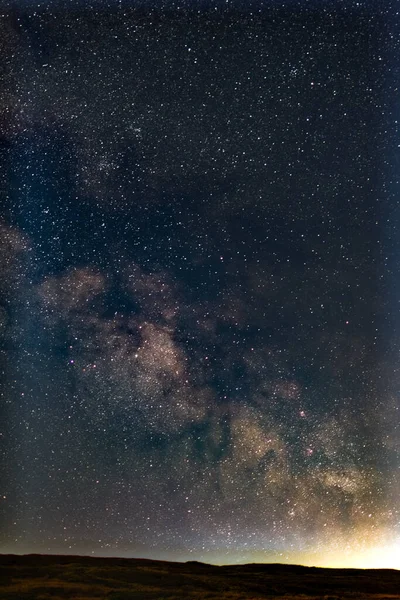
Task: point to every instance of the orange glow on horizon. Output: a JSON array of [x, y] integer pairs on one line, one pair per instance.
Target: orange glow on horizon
[[374, 554], [378, 557]]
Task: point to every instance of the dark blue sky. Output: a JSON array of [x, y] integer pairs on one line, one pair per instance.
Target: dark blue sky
[[198, 260]]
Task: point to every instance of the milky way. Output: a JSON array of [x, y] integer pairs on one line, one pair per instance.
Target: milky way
[[198, 281]]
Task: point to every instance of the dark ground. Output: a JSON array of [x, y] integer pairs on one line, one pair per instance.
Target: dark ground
[[36, 577]]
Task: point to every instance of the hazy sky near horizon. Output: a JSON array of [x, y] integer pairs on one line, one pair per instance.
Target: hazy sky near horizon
[[199, 297]]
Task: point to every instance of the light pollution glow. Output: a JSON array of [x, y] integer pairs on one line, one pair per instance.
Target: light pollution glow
[[381, 551], [378, 557]]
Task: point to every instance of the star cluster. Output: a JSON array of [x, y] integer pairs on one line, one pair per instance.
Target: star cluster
[[198, 301]]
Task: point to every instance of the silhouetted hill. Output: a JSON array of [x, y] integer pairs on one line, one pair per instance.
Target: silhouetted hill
[[47, 577]]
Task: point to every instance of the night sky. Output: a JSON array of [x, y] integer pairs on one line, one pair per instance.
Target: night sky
[[199, 280]]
